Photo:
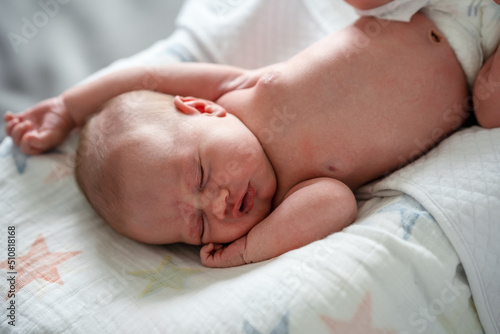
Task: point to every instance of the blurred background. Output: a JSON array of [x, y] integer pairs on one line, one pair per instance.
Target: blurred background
[[47, 46]]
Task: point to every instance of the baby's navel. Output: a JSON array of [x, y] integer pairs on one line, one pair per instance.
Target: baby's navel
[[435, 36]]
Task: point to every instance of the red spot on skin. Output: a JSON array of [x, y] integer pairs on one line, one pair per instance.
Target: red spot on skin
[[334, 168]]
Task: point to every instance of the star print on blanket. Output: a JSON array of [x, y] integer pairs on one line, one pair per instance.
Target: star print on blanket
[[39, 263], [20, 159], [166, 275], [280, 328], [410, 211], [61, 166], [361, 322]]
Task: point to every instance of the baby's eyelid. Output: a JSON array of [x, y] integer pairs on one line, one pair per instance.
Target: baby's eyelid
[[202, 217], [202, 175]]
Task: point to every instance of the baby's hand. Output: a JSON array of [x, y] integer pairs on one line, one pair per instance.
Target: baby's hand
[[222, 256], [41, 127]]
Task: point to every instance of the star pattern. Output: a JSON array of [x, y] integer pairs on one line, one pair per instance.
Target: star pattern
[[21, 162], [409, 214], [166, 275], [20, 159], [39, 263], [280, 328], [360, 323]]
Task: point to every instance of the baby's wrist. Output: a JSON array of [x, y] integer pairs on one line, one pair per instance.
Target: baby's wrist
[[67, 111], [61, 109]]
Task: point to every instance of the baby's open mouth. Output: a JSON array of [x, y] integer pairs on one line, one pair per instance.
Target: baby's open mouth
[[247, 201]]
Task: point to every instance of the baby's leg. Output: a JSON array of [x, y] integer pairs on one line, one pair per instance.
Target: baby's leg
[[487, 93]]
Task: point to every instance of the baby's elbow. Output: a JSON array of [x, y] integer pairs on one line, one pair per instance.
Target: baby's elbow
[[341, 202], [347, 201]]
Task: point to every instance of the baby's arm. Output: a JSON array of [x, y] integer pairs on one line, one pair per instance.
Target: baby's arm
[[311, 211], [206, 81], [47, 123], [367, 4], [487, 93]]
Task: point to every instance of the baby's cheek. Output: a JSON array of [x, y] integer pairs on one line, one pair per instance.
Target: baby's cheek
[[194, 233]]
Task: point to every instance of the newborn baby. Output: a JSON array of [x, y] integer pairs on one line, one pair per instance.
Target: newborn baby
[[261, 161]]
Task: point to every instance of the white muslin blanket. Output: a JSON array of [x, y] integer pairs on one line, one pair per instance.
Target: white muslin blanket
[[392, 271]]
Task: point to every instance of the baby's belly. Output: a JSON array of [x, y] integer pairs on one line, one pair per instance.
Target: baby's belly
[[380, 95]]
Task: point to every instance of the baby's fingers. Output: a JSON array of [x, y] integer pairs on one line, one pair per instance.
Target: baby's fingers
[[19, 130], [8, 116], [36, 142], [9, 126], [29, 145], [207, 249]]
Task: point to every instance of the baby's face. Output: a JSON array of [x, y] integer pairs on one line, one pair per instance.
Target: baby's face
[[208, 182]]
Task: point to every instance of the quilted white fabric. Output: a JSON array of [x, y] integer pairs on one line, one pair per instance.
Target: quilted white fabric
[[458, 183]]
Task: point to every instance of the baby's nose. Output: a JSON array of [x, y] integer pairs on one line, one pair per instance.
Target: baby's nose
[[217, 203]]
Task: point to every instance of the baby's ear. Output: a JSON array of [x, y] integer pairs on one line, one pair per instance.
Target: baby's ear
[[193, 106]]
